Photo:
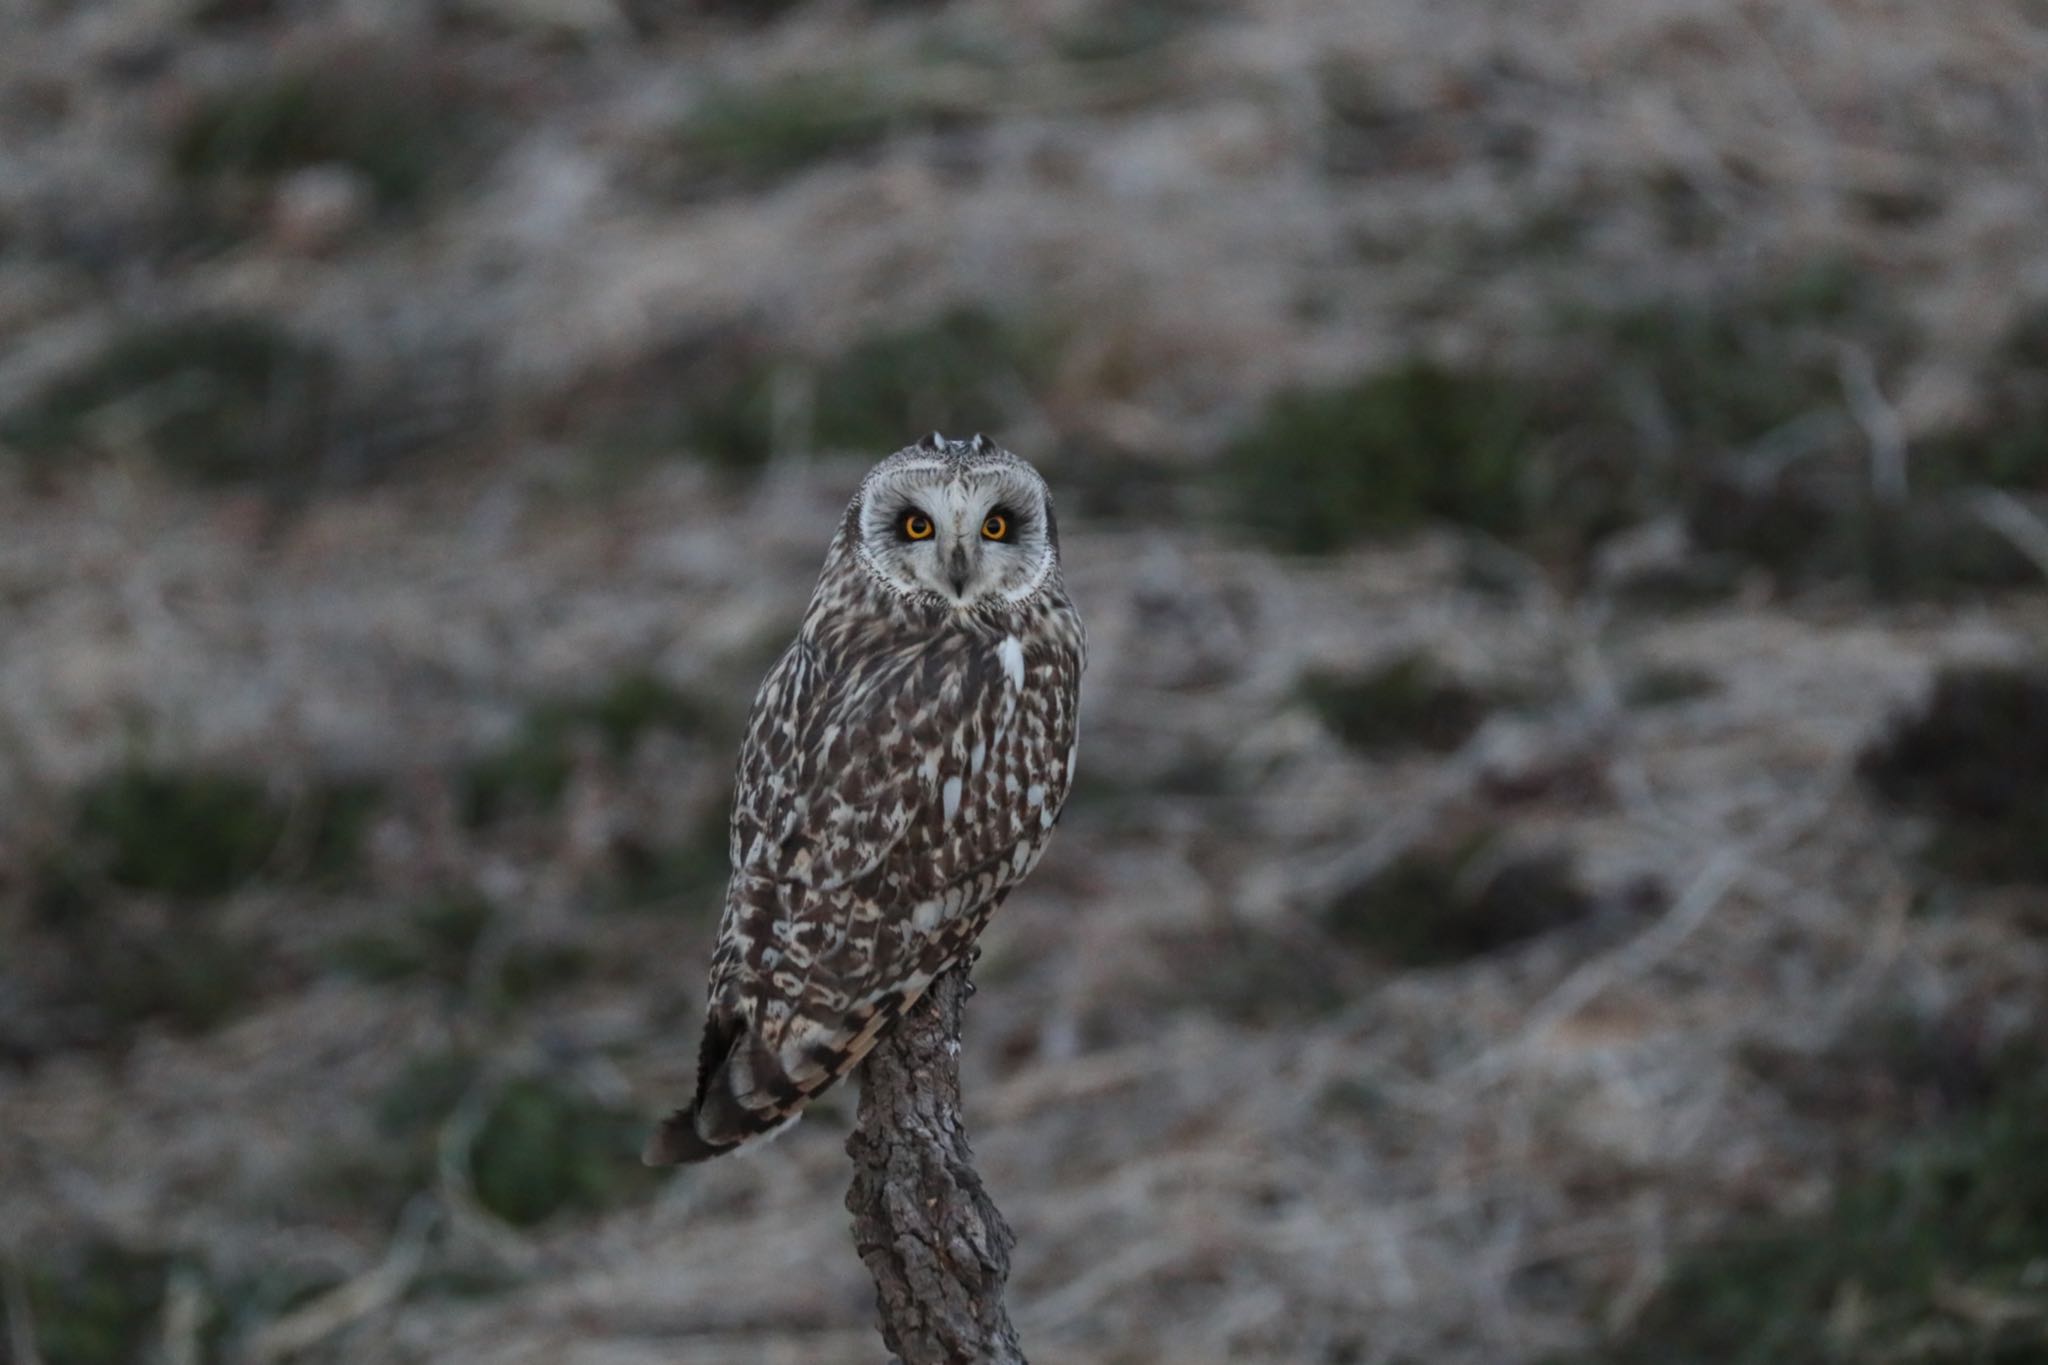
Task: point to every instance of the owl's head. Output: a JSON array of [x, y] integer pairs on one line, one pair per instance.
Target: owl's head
[[963, 522]]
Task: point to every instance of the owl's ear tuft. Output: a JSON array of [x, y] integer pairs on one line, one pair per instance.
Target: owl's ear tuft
[[935, 442]]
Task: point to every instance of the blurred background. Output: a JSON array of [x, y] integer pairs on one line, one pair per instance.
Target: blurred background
[[1560, 497]]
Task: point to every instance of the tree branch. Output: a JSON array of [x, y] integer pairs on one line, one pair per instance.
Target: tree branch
[[928, 1232]]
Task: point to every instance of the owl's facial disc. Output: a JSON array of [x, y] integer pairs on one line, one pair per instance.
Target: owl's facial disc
[[967, 537]]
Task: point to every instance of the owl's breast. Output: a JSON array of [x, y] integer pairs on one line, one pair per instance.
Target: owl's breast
[[999, 770]]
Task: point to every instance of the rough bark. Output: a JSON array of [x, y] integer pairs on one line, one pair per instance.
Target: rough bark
[[935, 1243]]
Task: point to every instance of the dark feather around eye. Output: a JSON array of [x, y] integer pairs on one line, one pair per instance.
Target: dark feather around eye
[[908, 516], [1013, 522]]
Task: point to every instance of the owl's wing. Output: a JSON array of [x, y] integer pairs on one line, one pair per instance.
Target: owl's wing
[[824, 790], [871, 835], [828, 785]]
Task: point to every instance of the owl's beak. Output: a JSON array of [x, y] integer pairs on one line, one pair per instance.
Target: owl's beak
[[957, 569]]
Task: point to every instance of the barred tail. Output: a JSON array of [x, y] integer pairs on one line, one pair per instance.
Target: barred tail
[[676, 1142], [741, 1094], [746, 1093]]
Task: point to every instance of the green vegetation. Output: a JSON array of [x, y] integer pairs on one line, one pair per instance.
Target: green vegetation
[[367, 1182], [2007, 446], [1726, 371], [1763, 372], [539, 1148], [1406, 703], [1892, 1073], [183, 833], [1714, 379], [94, 1304], [759, 133], [116, 970], [219, 399], [686, 876], [1122, 29], [1667, 685], [437, 941], [201, 833], [1368, 130], [384, 119], [533, 968], [122, 904], [243, 1303], [1697, 581], [422, 1095], [530, 770], [102, 1303], [1936, 1258], [1397, 449], [1325, 468], [357, 1185], [543, 1150], [727, 419], [958, 372], [193, 977], [1734, 412], [954, 373], [227, 13], [434, 939], [1974, 759], [1113, 485], [1436, 906], [1129, 799], [1353, 1097], [1252, 975]]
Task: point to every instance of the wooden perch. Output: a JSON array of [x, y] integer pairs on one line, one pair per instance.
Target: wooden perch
[[933, 1240]]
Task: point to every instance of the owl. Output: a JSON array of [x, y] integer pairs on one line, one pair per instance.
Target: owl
[[904, 764]]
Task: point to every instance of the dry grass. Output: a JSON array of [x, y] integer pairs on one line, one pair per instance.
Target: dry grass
[[1498, 1157]]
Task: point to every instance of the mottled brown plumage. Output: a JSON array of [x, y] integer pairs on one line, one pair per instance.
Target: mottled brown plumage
[[904, 765]]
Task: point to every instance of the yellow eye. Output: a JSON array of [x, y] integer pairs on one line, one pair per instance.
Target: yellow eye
[[996, 527], [917, 526]]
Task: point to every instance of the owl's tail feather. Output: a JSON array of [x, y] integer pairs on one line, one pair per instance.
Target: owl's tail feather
[[746, 1093], [677, 1143], [742, 1095]]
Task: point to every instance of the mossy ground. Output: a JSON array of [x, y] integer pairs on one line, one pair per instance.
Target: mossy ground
[[755, 134], [383, 117], [217, 398], [1407, 703], [962, 370], [1938, 1256], [1740, 413], [128, 902], [1435, 906], [94, 1304], [528, 772], [544, 1150], [1974, 761], [1325, 468]]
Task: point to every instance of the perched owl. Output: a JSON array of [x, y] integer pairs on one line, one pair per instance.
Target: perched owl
[[902, 770]]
